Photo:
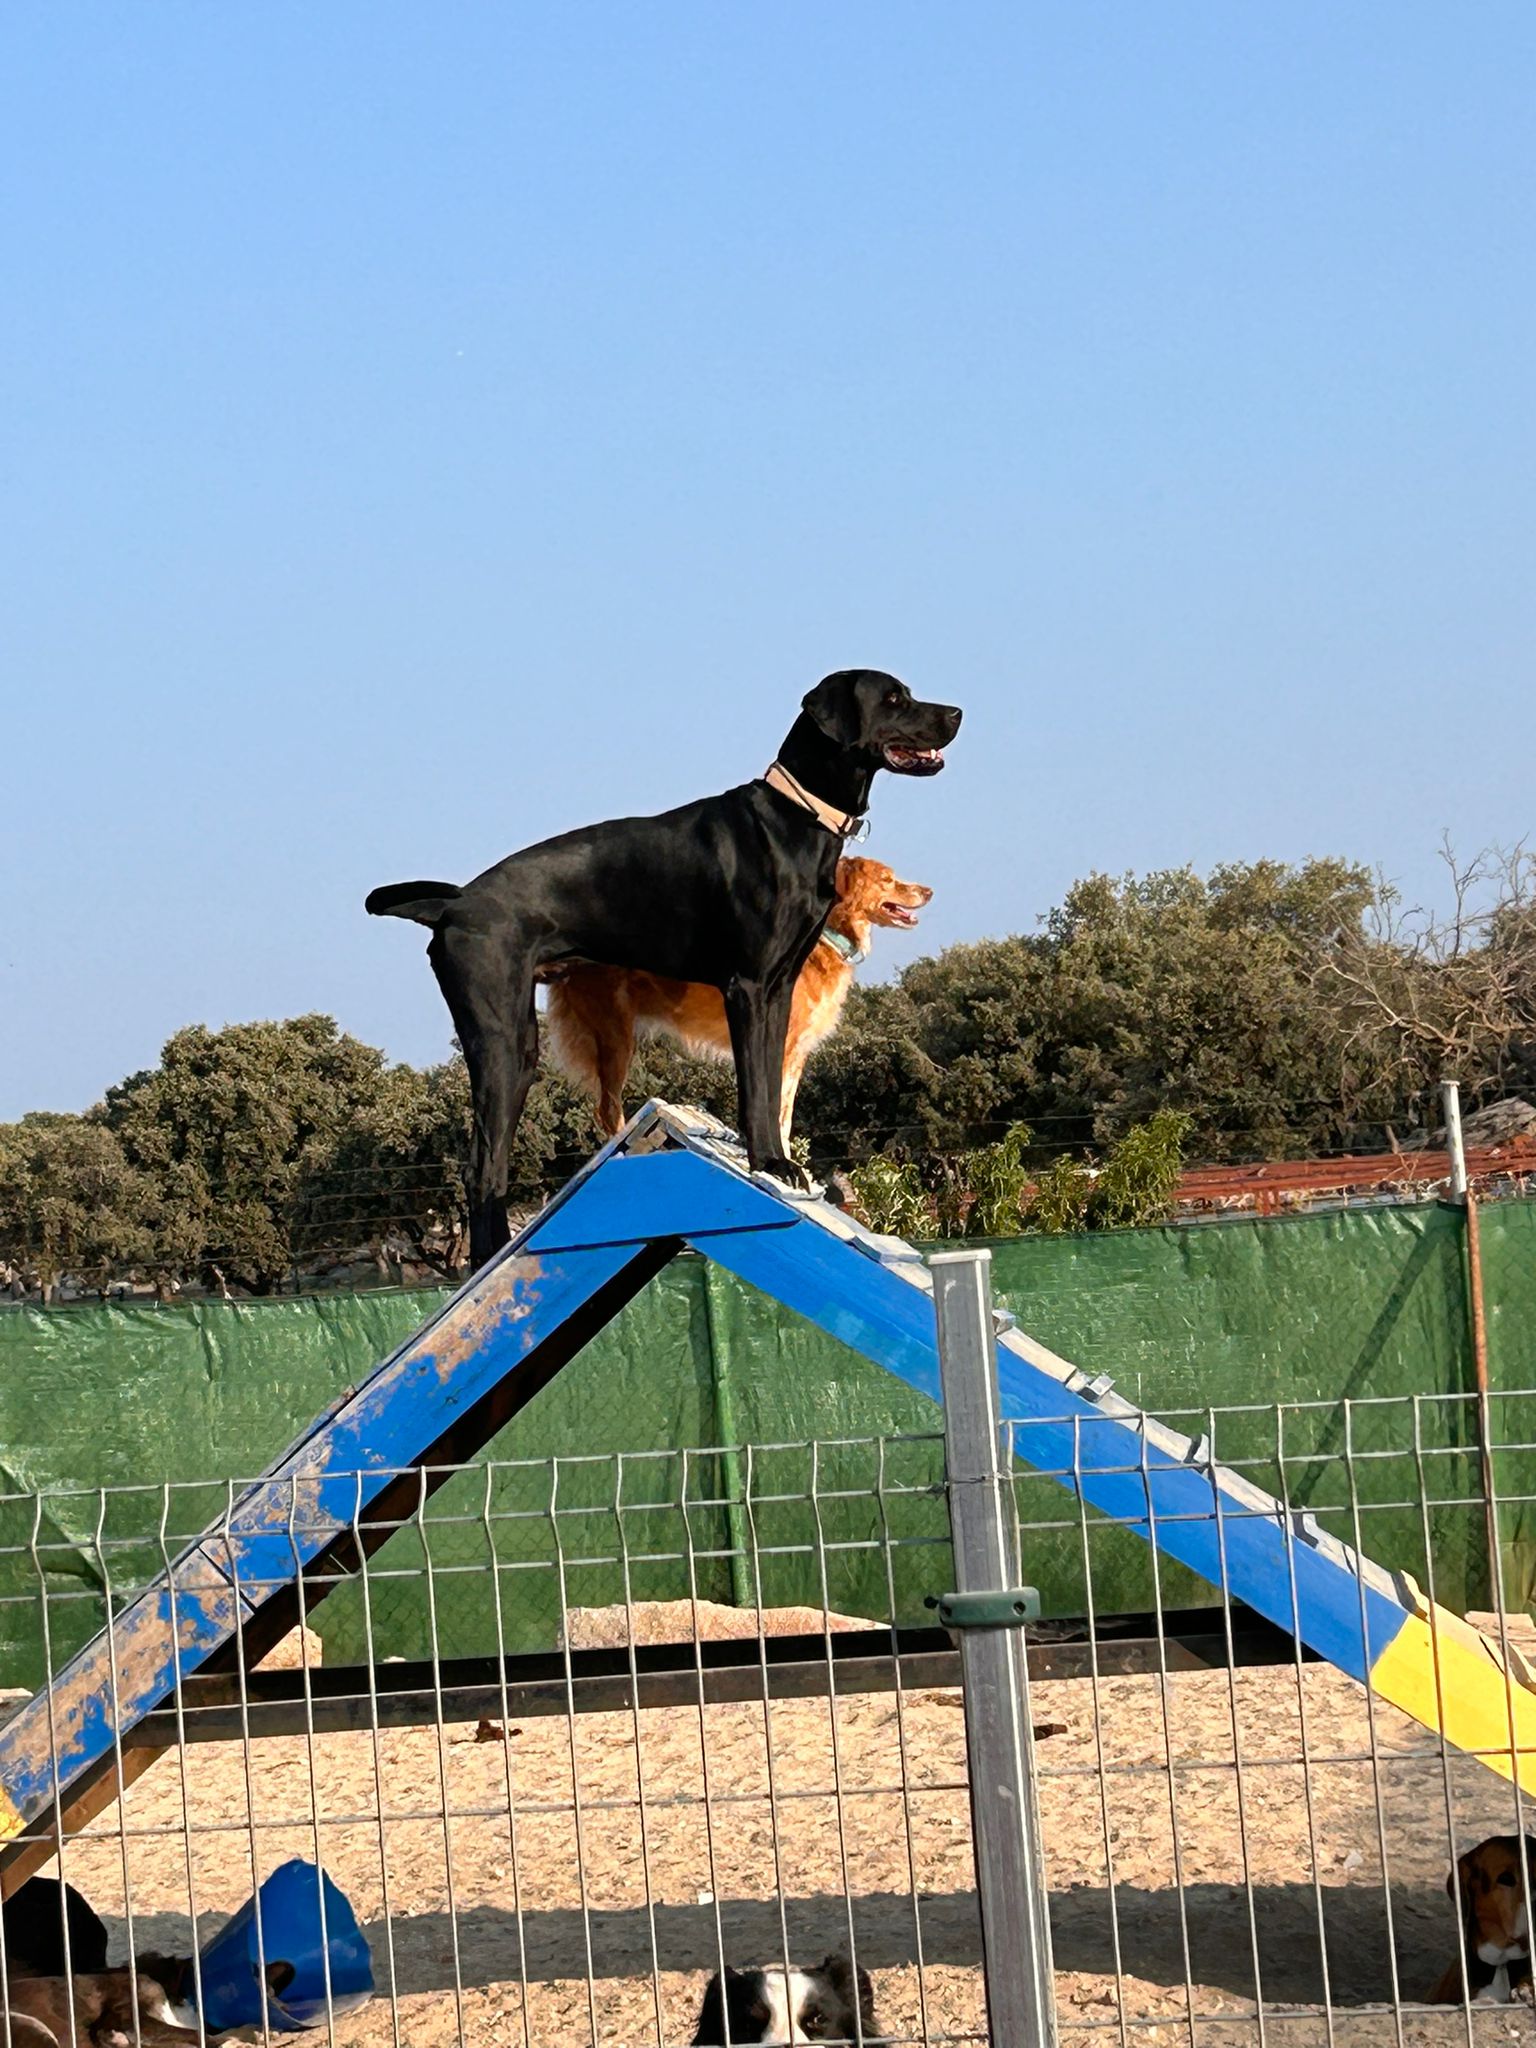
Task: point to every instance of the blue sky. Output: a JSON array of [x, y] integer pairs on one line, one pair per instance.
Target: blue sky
[[429, 427]]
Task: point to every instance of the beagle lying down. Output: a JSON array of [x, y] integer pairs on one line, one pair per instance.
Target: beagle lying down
[[1488, 1884]]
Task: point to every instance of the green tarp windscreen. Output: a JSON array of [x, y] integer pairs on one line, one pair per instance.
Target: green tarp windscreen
[[1333, 1348]]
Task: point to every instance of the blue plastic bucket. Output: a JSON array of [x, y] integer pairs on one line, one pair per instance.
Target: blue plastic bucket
[[299, 1964]]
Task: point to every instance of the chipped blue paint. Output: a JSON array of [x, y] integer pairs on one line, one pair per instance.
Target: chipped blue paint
[[75, 1716], [328, 1478]]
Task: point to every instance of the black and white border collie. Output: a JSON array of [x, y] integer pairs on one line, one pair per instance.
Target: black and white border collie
[[833, 2002]]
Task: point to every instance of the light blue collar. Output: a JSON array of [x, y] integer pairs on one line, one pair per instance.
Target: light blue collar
[[843, 947]]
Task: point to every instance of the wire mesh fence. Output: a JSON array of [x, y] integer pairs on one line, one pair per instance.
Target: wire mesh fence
[[698, 1714], [384, 1225], [1261, 1850]]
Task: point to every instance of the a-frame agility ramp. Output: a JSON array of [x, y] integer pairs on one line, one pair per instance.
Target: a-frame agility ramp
[[675, 1179]]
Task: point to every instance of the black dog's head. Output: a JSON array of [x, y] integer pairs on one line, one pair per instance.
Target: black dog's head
[[833, 2002], [33, 1926], [867, 713]]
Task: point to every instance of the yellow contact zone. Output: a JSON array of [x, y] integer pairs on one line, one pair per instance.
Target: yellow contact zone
[[1447, 1675]]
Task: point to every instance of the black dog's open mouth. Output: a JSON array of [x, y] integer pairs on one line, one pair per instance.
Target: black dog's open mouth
[[913, 760]]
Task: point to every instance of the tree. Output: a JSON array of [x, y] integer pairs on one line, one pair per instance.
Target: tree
[[1166, 991], [395, 1174], [1419, 996], [1270, 1010], [230, 1129], [69, 1200], [872, 1086]]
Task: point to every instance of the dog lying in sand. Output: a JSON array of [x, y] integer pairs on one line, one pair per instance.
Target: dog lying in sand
[[1488, 1884]]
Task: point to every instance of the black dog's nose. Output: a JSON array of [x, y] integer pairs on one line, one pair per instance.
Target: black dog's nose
[[954, 714]]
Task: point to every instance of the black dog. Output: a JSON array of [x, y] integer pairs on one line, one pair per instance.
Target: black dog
[[833, 2002], [731, 891], [34, 1921]]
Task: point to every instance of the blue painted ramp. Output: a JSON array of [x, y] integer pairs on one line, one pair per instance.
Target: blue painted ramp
[[675, 1178]]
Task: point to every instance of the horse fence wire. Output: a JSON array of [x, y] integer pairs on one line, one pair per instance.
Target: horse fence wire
[[556, 1832]]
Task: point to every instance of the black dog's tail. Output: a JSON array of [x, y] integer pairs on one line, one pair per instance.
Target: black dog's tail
[[423, 901]]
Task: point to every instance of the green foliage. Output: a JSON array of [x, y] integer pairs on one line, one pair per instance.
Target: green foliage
[[395, 1174], [1140, 1176], [1166, 991], [991, 1192], [1263, 1010], [890, 1197], [996, 1181], [1135, 1185], [232, 1128], [1059, 1200], [664, 1070], [69, 1199]]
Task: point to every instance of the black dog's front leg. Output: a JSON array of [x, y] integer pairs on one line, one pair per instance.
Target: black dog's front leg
[[758, 1015]]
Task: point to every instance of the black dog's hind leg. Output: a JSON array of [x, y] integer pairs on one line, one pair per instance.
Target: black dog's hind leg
[[489, 991], [501, 1071], [758, 1015]]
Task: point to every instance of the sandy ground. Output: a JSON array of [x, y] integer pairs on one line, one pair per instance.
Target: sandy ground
[[559, 1888]]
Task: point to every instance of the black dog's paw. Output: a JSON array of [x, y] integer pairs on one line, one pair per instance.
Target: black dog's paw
[[790, 1171]]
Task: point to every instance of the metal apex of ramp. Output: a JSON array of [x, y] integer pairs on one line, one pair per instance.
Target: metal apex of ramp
[[672, 1179]]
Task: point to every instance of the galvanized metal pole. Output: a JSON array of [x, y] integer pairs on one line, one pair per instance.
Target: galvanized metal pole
[[1005, 1820], [1450, 1102]]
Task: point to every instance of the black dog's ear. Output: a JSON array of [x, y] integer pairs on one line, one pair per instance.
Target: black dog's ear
[[852, 1982], [833, 707], [847, 1978], [710, 2031]]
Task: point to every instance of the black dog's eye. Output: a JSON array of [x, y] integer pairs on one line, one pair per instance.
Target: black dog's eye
[[1506, 1877], [812, 2024], [893, 696]]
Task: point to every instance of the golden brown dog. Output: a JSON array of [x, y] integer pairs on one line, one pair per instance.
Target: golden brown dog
[[18, 2031], [108, 2008], [1489, 1885], [596, 1013]]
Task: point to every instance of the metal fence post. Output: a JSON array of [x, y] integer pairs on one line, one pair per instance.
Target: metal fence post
[[1462, 1192], [1005, 1820]]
